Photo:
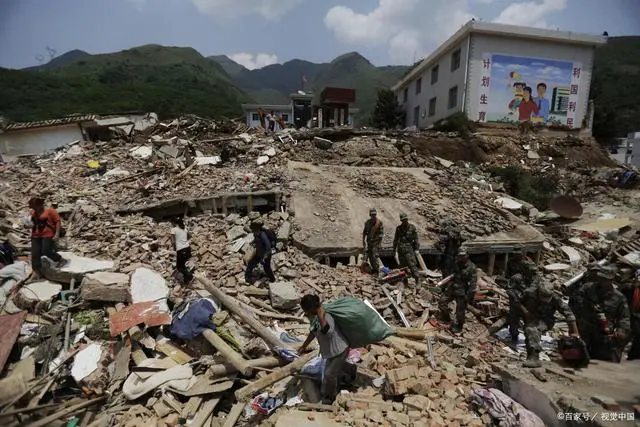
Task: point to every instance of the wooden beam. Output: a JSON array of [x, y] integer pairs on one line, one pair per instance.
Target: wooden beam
[[224, 369], [234, 306], [248, 391], [227, 352], [506, 263], [43, 422]]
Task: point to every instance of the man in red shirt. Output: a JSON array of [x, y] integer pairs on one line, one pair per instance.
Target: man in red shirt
[[527, 108], [45, 231]]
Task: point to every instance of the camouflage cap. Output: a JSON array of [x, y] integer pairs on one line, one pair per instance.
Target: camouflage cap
[[373, 211], [516, 278], [256, 223], [545, 290], [530, 266], [463, 252], [403, 216]]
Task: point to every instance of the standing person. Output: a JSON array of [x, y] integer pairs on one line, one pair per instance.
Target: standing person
[[333, 346], [372, 235], [272, 121], [449, 243], [45, 231], [461, 290], [605, 323], [542, 103], [538, 306], [406, 242], [263, 246], [183, 249]]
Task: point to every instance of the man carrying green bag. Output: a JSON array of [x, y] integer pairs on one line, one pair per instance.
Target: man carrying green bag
[[339, 325]]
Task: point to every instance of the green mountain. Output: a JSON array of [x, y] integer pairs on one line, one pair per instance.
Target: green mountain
[[616, 83], [62, 60], [228, 65], [168, 80], [274, 83]]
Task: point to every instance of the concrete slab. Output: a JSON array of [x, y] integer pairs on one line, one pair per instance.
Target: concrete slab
[[573, 391], [76, 268], [330, 211]]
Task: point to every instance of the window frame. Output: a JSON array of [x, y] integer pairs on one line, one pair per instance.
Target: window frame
[[433, 100], [419, 86], [437, 74], [455, 98], [456, 59]]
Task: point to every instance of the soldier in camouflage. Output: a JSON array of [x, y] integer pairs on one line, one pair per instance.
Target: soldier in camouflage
[[449, 243], [461, 289], [605, 323], [631, 290], [372, 235], [538, 306], [516, 263], [406, 243]]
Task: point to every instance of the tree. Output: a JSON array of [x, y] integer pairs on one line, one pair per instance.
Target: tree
[[387, 113]]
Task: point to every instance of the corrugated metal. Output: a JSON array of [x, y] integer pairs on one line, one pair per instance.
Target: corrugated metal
[[53, 122]]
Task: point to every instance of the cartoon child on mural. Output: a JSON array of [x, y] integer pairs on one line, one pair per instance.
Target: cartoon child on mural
[[518, 88]]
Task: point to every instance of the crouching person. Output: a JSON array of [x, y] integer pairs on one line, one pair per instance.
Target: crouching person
[[333, 346]]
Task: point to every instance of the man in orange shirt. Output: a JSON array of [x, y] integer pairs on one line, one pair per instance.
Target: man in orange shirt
[[45, 231]]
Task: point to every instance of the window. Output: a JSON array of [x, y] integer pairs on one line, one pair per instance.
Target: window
[[434, 74], [255, 117], [418, 86], [432, 107], [416, 115], [405, 95], [455, 60], [285, 118], [453, 97]]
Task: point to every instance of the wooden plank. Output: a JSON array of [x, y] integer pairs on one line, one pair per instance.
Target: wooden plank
[[168, 348], [249, 390], [204, 413], [227, 352], [191, 407], [43, 422], [234, 414]]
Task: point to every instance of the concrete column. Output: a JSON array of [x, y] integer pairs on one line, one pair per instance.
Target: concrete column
[[492, 263], [506, 262]]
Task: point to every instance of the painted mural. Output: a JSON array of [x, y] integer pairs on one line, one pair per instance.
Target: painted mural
[[516, 89]]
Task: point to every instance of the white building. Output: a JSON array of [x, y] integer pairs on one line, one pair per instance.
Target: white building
[[502, 73]]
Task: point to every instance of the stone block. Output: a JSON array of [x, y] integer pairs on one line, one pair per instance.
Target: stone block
[[374, 415], [417, 402], [284, 231], [76, 268], [607, 403], [398, 418], [105, 286], [235, 233], [284, 295]]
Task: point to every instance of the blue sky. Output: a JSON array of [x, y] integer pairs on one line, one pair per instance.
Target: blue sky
[[259, 32]]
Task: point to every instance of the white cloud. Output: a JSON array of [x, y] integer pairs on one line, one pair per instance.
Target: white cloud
[[251, 61], [530, 13], [409, 28], [225, 9]]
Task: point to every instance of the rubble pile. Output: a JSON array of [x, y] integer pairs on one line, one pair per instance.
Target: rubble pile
[[107, 339]]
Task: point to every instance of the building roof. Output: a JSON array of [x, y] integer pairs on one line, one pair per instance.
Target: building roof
[[246, 107], [511, 31], [50, 123]]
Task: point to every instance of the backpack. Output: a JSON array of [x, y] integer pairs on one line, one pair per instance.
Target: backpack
[[7, 253], [273, 239]]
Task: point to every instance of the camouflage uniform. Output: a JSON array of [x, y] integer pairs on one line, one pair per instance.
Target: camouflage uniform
[[592, 301], [539, 316], [461, 290], [629, 290], [406, 242], [373, 232], [449, 244]]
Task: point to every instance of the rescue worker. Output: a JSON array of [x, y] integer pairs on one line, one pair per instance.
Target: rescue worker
[[605, 324], [372, 235], [45, 232], [461, 289], [515, 287], [631, 290], [406, 242], [333, 346], [263, 247], [539, 305], [516, 263], [449, 244]]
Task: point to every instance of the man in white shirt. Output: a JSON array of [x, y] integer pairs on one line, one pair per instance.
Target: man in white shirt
[[182, 248]]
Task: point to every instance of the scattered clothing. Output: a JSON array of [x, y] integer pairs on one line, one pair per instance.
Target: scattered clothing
[[192, 318], [505, 411]]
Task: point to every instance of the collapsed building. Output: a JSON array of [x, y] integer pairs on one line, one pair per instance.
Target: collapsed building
[[94, 341]]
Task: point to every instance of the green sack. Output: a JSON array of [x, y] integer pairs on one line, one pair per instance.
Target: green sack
[[360, 324]]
